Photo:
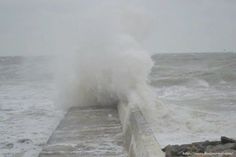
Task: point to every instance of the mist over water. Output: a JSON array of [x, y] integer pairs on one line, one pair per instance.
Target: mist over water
[[110, 65]]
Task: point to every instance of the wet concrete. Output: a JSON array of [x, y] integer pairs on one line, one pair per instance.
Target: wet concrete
[[87, 132]]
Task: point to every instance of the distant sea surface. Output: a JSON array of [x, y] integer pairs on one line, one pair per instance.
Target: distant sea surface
[[197, 92]]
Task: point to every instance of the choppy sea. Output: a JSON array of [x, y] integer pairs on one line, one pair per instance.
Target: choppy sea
[[197, 92]]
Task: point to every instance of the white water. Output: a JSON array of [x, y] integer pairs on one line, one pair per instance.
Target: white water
[[111, 65], [28, 113]]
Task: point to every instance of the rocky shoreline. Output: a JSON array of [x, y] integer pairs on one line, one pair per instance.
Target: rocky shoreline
[[226, 147]]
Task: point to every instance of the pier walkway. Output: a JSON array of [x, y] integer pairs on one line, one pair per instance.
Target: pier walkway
[[87, 132]]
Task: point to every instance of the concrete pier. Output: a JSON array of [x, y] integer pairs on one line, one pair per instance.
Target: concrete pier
[[103, 131], [87, 132]]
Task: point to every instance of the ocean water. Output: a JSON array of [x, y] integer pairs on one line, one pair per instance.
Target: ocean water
[[195, 100], [198, 96], [28, 114]]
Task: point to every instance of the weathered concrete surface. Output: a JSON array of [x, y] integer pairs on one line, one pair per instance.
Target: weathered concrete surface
[[138, 136], [87, 132], [96, 131]]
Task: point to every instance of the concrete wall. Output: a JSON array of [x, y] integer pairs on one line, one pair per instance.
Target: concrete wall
[[138, 136]]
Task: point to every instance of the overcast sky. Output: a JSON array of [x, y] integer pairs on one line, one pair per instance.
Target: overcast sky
[[51, 26]]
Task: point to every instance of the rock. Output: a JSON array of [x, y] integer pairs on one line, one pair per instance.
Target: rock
[[234, 147], [180, 150], [171, 151], [225, 145], [220, 147], [225, 140], [214, 143], [230, 151]]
